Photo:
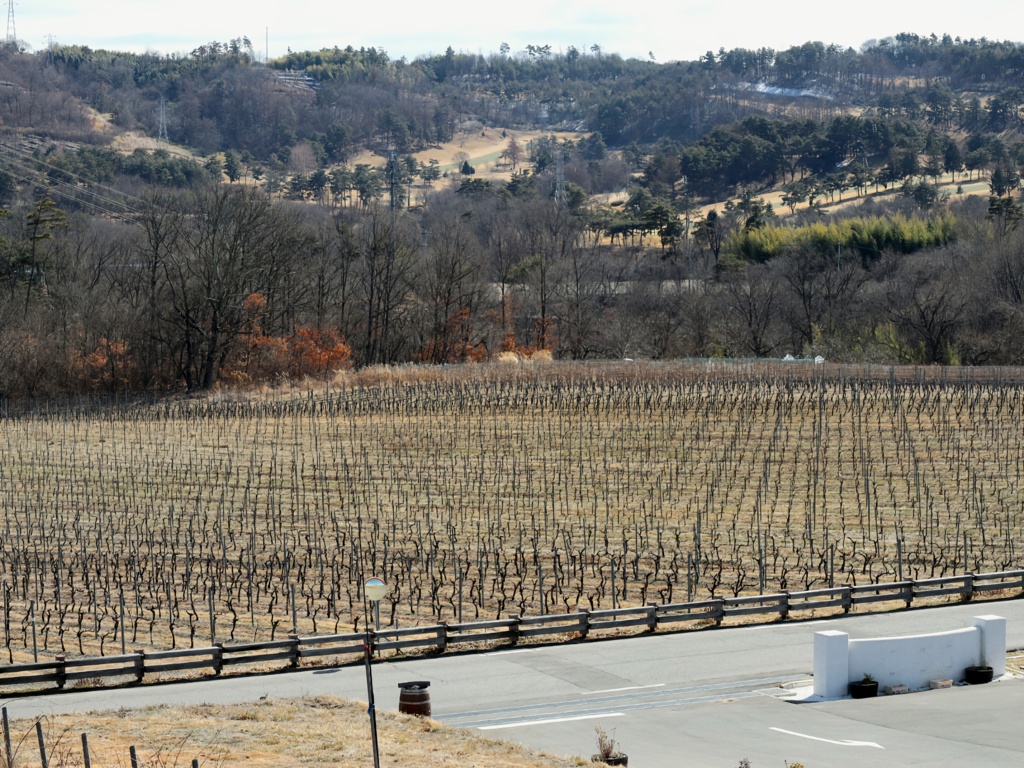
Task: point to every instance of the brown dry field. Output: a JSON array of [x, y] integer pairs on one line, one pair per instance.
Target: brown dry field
[[670, 479], [305, 731]]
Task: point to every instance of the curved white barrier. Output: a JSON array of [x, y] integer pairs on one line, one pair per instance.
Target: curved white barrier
[[911, 660]]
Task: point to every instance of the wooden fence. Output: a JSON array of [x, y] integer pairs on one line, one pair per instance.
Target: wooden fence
[[438, 638]]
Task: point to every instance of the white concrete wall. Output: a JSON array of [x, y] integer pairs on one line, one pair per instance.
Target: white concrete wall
[[911, 660]]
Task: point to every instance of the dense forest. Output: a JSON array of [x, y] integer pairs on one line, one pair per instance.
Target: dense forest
[[860, 205]]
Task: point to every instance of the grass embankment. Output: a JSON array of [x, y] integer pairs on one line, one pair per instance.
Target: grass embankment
[[320, 731]]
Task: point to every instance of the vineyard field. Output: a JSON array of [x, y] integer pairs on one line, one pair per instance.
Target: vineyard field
[[481, 491]]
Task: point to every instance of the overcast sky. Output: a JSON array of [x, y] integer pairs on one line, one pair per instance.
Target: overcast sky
[[684, 30]]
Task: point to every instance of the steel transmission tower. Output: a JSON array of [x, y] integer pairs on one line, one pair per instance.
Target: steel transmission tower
[[391, 173], [12, 36], [559, 176], [163, 119]]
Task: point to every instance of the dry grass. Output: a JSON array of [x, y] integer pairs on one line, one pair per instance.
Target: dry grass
[[483, 145], [317, 731]]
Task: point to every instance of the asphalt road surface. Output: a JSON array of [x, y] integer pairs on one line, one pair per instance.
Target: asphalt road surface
[[705, 698]]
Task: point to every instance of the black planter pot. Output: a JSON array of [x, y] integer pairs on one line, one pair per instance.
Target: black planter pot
[[979, 674], [864, 689]]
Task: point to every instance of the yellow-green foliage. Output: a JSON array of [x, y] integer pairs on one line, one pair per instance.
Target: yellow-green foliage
[[867, 237]]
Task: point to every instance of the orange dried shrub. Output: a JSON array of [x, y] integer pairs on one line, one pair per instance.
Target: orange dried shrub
[[109, 366], [316, 352], [309, 352], [475, 353], [255, 305], [508, 343]]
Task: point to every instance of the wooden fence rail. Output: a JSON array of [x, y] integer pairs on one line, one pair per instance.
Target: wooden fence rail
[[139, 665]]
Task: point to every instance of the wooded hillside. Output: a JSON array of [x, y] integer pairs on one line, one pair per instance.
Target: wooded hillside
[[290, 217]]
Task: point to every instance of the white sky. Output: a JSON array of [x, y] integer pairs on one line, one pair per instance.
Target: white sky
[[683, 29]]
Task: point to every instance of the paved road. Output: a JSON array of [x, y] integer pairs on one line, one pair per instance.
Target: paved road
[[696, 698]]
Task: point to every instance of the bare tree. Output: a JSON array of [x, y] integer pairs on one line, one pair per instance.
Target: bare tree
[[230, 243], [925, 301], [822, 293], [450, 284], [386, 256], [752, 311]]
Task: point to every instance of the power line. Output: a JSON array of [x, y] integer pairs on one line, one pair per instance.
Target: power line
[[113, 202]]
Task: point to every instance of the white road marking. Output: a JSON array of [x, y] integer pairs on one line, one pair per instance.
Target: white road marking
[[618, 690], [844, 743], [546, 722]]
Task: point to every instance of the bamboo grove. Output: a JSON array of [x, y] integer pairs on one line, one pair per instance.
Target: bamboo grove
[[487, 490]]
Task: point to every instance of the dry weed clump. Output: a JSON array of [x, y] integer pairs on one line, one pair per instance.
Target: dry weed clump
[[311, 731]]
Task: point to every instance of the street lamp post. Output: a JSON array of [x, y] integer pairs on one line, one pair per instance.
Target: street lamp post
[[371, 706], [373, 590]]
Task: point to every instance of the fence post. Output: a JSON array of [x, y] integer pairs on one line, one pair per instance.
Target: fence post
[[140, 665], [8, 752], [60, 670], [651, 614], [86, 758], [294, 661], [42, 744], [969, 588], [218, 659], [513, 631], [784, 606], [442, 637], [847, 599], [134, 756], [584, 624], [908, 593], [719, 611]]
